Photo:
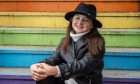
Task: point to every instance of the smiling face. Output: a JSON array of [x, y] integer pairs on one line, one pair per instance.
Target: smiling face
[[81, 23]]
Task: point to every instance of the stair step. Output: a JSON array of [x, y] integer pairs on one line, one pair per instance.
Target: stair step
[[113, 60], [53, 48], [56, 19], [63, 5], [51, 37], [106, 73]]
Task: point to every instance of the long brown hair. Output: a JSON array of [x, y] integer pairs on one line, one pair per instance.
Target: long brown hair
[[95, 44]]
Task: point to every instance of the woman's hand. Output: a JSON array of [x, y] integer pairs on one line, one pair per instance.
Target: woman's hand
[[40, 71], [49, 70]]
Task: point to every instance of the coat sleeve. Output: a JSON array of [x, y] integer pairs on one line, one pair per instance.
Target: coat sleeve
[[55, 59], [86, 65]]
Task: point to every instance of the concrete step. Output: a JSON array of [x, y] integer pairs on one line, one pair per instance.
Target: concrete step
[[106, 73], [52, 48]]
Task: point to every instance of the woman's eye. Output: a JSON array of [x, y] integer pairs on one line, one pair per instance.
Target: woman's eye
[[77, 18], [86, 19]]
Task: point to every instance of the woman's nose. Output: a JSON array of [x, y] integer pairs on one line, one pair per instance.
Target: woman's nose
[[80, 21]]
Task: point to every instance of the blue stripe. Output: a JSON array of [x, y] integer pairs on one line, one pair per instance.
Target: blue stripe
[[24, 58]]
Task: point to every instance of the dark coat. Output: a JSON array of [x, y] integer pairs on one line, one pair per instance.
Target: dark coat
[[78, 63]]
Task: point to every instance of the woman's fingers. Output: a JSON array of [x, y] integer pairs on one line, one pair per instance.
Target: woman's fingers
[[42, 75], [38, 71], [37, 78]]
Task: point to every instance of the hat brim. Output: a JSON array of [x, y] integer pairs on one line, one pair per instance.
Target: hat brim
[[69, 15]]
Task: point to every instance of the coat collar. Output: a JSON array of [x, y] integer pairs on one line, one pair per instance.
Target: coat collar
[[76, 37], [74, 47]]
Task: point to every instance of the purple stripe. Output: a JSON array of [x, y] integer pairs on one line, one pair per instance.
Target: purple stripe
[[26, 79], [16, 79], [121, 80]]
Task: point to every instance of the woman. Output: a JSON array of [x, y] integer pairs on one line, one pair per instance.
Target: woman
[[79, 57]]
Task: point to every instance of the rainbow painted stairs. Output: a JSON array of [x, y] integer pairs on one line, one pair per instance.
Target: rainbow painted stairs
[[30, 30]]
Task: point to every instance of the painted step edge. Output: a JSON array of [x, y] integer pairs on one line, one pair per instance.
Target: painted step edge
[[109, 6], [106, 73], [62, 31], [49, 20], [114, 38], [113, 60], [8, 79], [124, 14]]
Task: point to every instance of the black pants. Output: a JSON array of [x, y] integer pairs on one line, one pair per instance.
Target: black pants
[[50, 80]]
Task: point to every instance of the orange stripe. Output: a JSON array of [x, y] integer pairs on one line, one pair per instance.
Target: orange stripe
[[52, 6]]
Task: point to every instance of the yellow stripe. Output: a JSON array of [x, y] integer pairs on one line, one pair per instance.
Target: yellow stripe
[[56, 19]]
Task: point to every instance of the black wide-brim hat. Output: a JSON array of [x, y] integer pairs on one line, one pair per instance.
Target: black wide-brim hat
[[88, 10]]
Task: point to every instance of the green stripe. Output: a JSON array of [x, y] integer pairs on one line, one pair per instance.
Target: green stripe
[[52, 37]]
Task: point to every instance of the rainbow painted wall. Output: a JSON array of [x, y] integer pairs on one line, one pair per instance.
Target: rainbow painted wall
[[41, 23], [50, 13], [16, 16]]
